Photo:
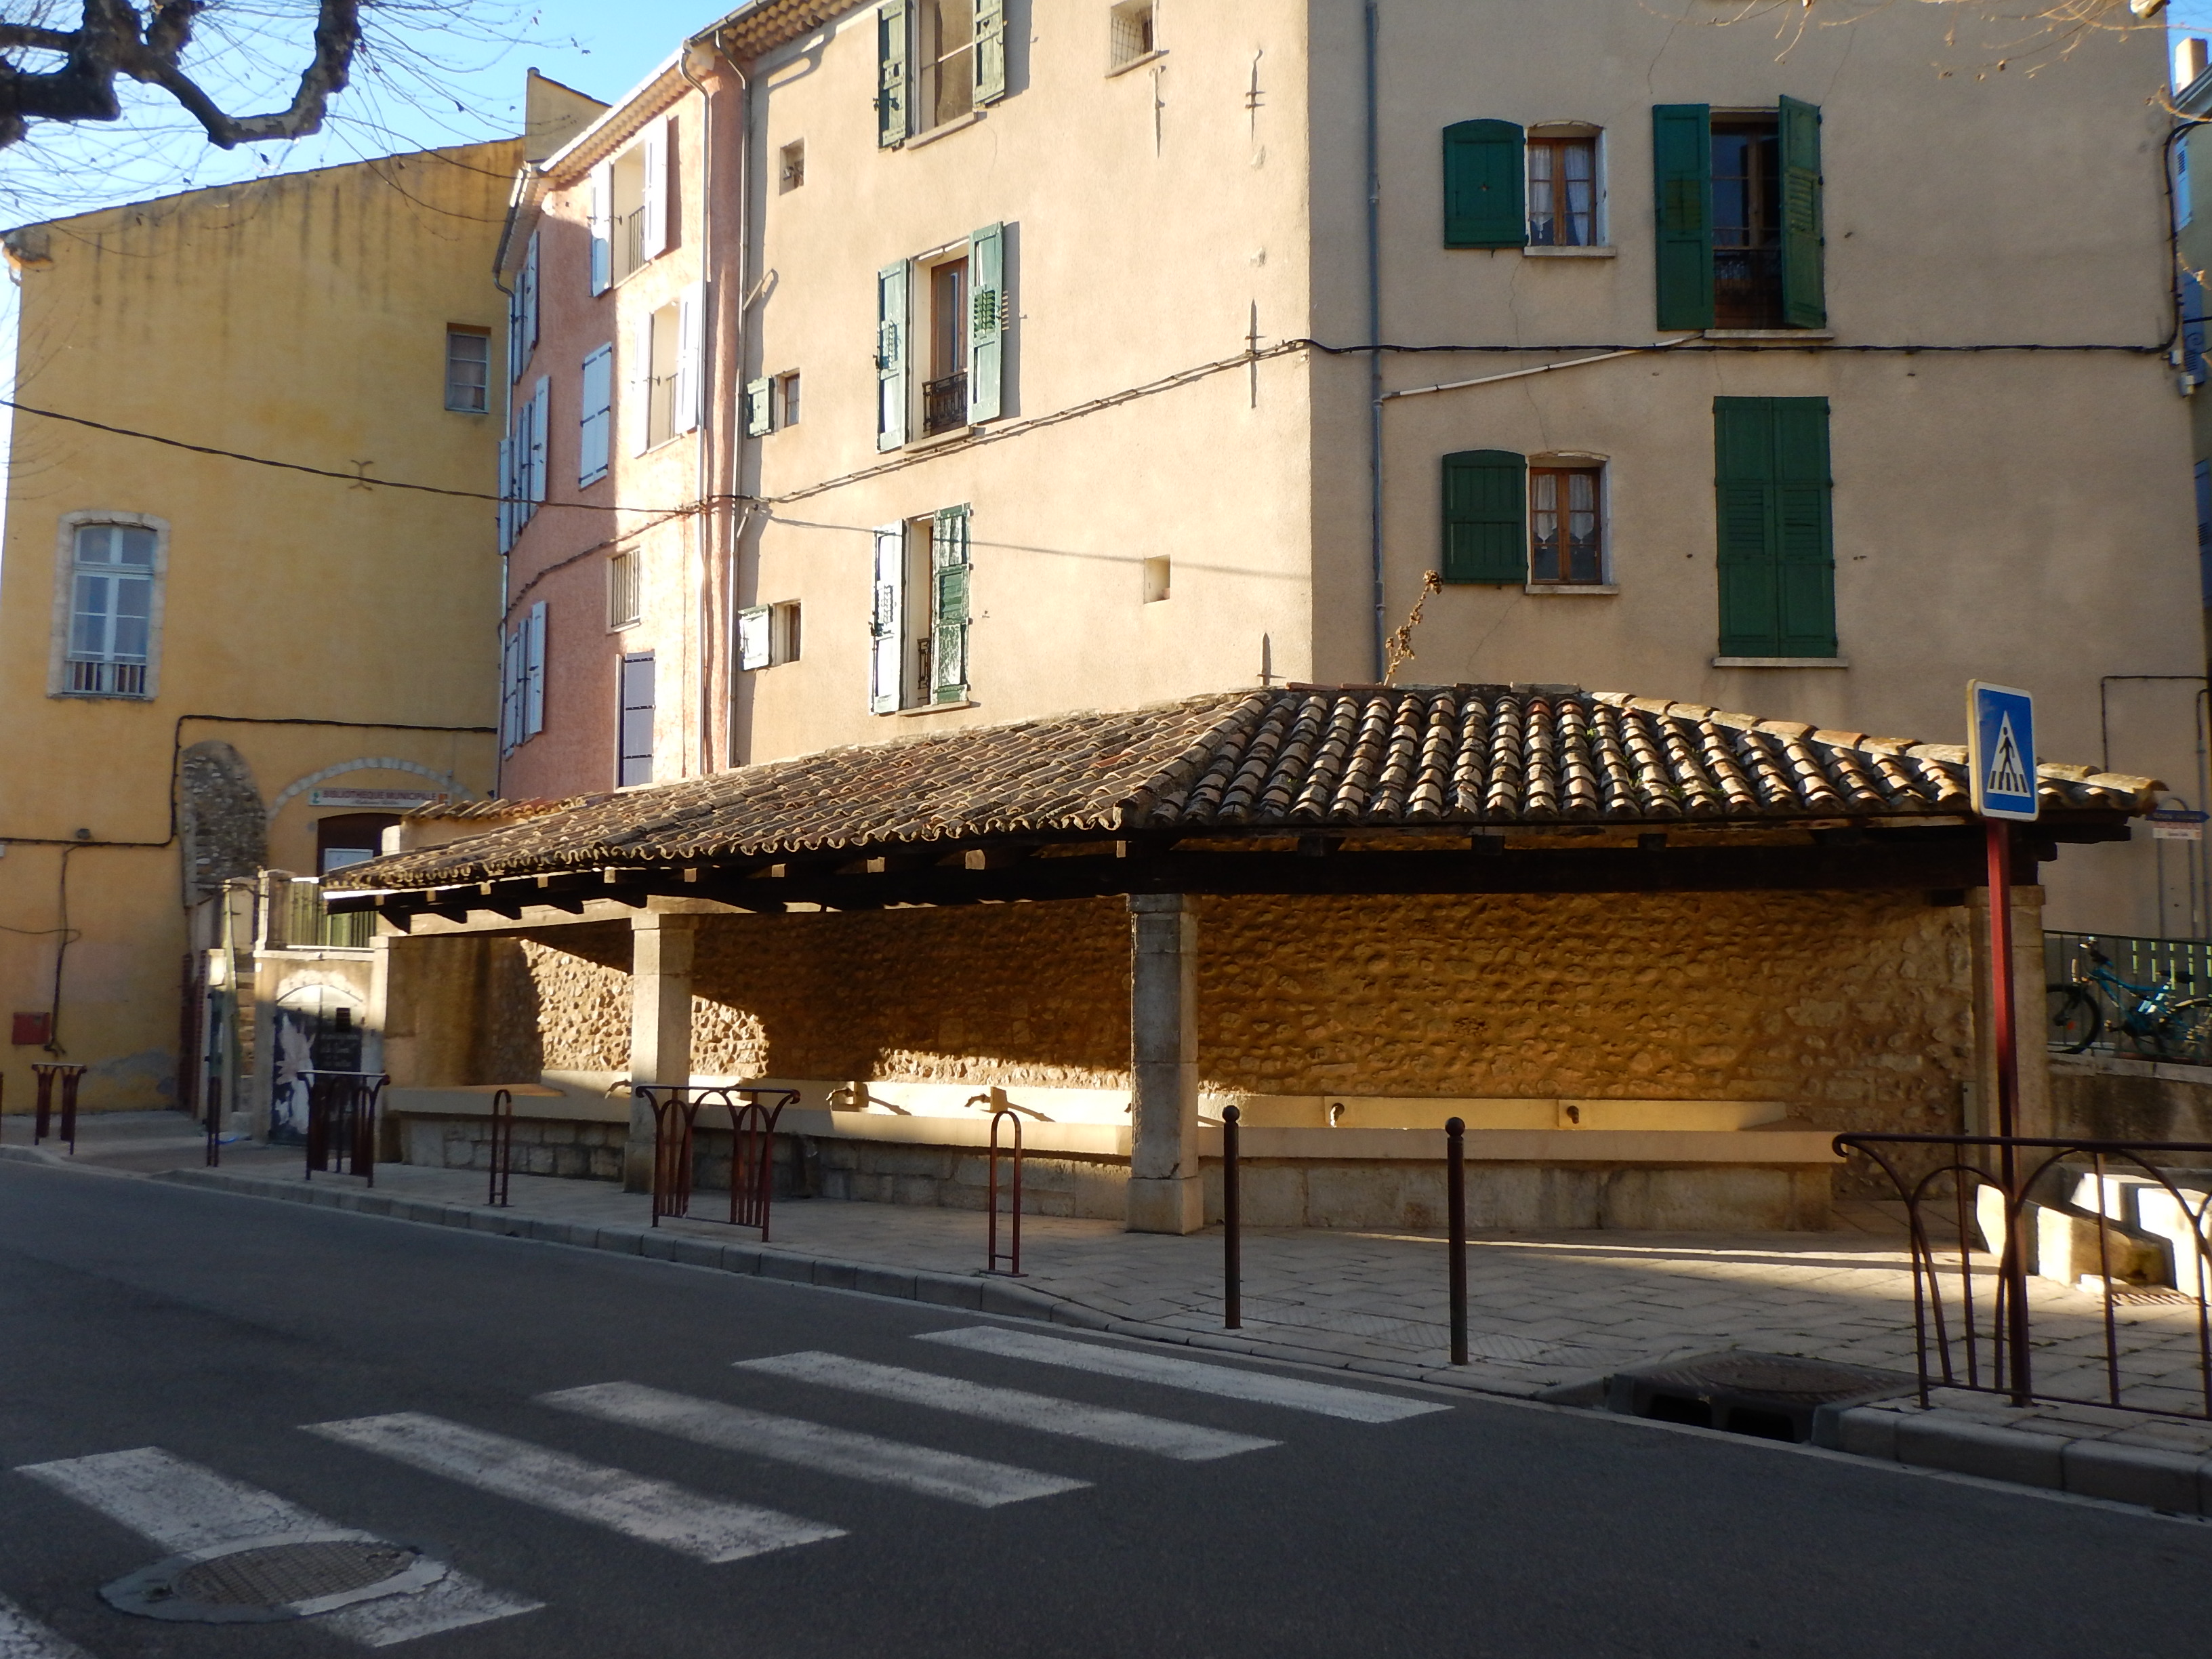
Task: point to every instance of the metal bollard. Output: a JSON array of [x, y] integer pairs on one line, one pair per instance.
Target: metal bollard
[[503, 1148], [42, 1121], [1012, 1258], [1455, 1207], [1232, 1226]]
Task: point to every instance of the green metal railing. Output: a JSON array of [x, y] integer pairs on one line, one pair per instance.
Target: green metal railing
[[308, 926]]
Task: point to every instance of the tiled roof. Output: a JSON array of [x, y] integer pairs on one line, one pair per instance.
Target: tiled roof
[[1295, 758]]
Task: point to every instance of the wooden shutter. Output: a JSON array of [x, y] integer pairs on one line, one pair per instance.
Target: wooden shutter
[[505, 493], [1682, 198], [990, 51], [691, 313], [949, 571], [986, 289], [634, 729], [602, 199], [752, 637], [533, 671], [540, 404], [529, 298], [892, 87], [652, 229], [1776, 549], [1485, 517], [1804, 303], [887, 620], [510, 689], [890, 356], [760, 408], [1485, 185], [595, 419], [641, 381]]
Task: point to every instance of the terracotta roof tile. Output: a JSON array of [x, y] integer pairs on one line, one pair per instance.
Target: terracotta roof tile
[[1290, 757]]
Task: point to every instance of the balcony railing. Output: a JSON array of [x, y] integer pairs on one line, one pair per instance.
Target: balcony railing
[[107, 679], [1747, 287], [945, 404]]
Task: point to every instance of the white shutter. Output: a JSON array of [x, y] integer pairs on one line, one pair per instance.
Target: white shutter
[[527, 288], [640, 380], [691, 310], [653, 232], [539, 400], [752, 637], [533, 671], [602, 198], [887, 620], [505, 493], [516, 299], [890, 356], [596, 416], [510, 704]]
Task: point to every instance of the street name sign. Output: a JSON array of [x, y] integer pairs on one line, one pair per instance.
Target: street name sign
[[2001, 750]]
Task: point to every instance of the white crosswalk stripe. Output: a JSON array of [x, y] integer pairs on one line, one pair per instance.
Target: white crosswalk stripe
[[22, 1637], [921, 1469], [1043, 1412], [656, 1511], [184, 1508], [1230, 1381]]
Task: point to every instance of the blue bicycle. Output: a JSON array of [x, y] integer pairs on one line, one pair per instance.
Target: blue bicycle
[[2156, 1018]]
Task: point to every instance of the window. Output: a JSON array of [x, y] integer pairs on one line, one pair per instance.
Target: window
[[522, 314], [786, 399], [1739, 205], [522, 700], [791, 166], [349, 838], [622, 591], [1565, 541], [1155, 579], [936, 61], [962, 299], [634, 741], [1129, 34], [595, 416], [468, 370], [631, 223], [665, 371], [1776, 557], [1563, 193], [771, 404], [919, 623], [768, 635], [113, 569]]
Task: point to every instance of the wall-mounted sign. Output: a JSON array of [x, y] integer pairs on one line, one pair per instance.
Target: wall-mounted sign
[[377, 800], [2176, 823]]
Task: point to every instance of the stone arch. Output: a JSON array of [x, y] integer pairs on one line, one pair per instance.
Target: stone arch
[[222, 828], [444, 780]]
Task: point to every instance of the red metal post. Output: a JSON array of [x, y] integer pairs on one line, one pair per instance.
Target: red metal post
[[2012, 1267], [1232, 1225]]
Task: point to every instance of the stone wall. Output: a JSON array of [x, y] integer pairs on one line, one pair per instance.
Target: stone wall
[[541, 1146], [2103, 1098]]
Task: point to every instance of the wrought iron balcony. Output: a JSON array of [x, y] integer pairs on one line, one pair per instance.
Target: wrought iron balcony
[[1747, 287], [945, 404]]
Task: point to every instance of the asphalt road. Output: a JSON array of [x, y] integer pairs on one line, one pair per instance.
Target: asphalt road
[[134, 1315]]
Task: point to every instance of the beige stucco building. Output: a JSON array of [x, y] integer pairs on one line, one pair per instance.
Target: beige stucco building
[[209, 665]]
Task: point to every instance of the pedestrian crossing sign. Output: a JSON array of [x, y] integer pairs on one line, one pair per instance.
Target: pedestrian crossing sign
[[2001, 750]]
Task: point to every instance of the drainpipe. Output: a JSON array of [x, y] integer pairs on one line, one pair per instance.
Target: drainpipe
[[1375, 345], [702, 440]]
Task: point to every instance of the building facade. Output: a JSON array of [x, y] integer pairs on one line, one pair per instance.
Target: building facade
[[211, 666], [871, 408]]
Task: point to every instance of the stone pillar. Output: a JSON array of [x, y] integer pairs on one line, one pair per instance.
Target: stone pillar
[[2031, 1110], [660, 1026], [1166, 1193]]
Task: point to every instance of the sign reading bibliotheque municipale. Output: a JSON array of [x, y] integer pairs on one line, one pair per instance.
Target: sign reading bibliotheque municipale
[[2001, 750], [377, 800]]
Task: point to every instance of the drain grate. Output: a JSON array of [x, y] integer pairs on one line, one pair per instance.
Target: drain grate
[[1772, 1396], [270, 1578]]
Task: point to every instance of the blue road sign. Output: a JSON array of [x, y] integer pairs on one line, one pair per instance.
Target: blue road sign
[[2001, 750]]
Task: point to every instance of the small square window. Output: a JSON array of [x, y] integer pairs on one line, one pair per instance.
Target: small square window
[[786, 399], [1130, 34], [1155, 579], [768, 635], [468, 370], [791, 171], [622, 591]]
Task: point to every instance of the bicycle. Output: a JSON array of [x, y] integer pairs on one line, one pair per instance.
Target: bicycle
[[2154, 1016]]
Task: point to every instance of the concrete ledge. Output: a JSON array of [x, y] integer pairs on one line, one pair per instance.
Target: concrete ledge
[[2133, 1474], [1996, 1454]]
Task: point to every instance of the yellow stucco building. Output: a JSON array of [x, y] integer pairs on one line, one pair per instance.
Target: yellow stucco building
[[197, 652]]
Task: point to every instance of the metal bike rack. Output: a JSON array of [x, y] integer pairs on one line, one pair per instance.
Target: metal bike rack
[[503, 1148], [1011, 1257], [342, 1122], [752, 1146], [42, 1121]]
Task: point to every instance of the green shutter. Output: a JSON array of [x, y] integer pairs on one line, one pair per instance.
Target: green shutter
[[949, 571], [1682, 196], [891, 77], [1803, 303], [890, 356], [990, 50], [987, 291], [760, 412], [1485, 517], [1485, 185], [1776, 546]]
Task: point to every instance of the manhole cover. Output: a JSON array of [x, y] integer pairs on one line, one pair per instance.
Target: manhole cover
[[1769, 1376], [1773, 1396], [290, 1577]]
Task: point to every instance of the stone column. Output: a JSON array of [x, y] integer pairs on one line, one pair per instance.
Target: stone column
[[1166, 1193], [660, 1026], [2031, 1110]]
